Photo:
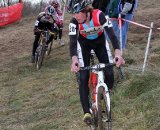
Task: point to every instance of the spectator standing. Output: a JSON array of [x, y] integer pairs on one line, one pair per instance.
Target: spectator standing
[[101, 5], [126, 8]]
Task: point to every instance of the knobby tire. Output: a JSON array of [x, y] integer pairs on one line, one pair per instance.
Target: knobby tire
[[104, 116], [40, 55], [49, 48]]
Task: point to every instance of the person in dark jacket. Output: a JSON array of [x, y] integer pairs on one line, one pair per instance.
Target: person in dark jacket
[[100, 4], [128, 8]]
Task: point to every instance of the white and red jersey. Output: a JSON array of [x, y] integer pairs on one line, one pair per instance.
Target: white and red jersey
[[58, 10]]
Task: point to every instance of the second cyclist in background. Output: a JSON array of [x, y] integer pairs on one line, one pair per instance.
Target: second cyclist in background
[[59, 20], [44, 20]]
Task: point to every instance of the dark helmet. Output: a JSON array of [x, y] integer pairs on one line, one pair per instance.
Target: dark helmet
[[76, 6], [49, 10]]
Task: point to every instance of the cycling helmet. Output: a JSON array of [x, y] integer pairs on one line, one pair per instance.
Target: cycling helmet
[[76, 6], [54, 3], [49, 10]]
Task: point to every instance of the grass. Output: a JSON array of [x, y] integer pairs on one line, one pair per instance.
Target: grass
[[45, 99], [136, 103], [48, 99]]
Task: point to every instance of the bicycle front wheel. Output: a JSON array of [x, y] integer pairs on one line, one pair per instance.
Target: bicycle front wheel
[[40, 56], [104, 113], [49, 48]]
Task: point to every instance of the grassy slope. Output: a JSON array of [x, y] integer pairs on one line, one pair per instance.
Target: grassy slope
[[48, 99]]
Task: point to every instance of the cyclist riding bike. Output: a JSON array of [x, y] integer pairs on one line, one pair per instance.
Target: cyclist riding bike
[[86, 32], [59, 20], [44, 20]]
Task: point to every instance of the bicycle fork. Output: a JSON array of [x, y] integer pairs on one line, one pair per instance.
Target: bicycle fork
[[101, 83]]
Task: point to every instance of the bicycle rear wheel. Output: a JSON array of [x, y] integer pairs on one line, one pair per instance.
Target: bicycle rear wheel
[[104, 114]]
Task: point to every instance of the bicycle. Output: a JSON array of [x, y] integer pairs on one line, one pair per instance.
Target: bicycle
[[43, 47], [99, 96]]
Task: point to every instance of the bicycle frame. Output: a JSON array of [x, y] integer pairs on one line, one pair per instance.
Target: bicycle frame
[[44, 35], [40, 51], [43, 47], [99, 93], [101, 90], [101, 82]]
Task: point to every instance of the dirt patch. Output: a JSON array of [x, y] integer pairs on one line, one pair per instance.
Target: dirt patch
[[16, 39]]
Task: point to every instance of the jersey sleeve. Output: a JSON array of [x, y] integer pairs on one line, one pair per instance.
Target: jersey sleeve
[[106, 23], [73, 36]]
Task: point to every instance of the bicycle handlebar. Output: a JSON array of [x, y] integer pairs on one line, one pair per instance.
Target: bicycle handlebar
[[46, 30], [52, 33], [99, 66]]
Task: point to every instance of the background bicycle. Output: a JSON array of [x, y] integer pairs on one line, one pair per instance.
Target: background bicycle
[[43, 47]]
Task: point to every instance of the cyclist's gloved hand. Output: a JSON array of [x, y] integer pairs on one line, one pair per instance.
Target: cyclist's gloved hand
[[36, 31], [75, 65], [54, 28], [55, 25]]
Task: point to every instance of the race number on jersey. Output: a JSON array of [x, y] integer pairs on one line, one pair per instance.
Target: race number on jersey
[[72, 29], [108, 22], [36, 23]]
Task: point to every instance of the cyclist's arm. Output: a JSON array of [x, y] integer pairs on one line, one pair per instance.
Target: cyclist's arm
[[114, 40], [73, 33], [109, 30]]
